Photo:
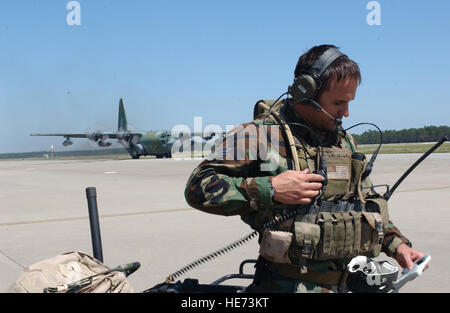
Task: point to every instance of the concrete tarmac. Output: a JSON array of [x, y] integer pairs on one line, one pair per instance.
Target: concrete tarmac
[[144, 217]]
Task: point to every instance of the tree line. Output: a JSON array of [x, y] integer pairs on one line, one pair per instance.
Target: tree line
[[424, 134]]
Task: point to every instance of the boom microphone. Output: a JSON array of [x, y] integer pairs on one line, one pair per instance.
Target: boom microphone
[[318, 108]]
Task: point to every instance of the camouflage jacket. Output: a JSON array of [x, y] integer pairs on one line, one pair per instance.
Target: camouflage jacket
[[236, 178]]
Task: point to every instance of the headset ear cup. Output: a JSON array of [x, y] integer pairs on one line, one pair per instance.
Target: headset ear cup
[[303, 87]]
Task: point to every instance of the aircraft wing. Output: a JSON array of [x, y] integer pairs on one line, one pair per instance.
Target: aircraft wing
[[98, 137], [204, 136], [64, 135], [93, 135]]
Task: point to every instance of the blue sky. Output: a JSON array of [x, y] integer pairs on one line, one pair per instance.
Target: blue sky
[[173, 60]]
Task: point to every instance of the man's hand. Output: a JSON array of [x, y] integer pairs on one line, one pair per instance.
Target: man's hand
[[296, 187], [406, 256]]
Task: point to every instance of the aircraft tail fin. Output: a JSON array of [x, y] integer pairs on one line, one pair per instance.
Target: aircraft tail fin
[[122, 125]]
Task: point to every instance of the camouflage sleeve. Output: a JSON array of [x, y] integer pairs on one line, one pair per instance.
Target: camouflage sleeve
[[392, 239], [212, 190], [231, 181]]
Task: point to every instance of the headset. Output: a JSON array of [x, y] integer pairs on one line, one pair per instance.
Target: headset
[[306, 87]]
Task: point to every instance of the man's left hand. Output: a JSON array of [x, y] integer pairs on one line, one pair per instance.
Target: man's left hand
[[406, 256]]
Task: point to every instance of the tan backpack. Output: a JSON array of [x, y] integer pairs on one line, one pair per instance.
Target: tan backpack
[[58, 274]]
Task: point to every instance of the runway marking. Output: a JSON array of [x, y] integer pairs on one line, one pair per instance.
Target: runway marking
[[110, 172], [12, 260], [87, 217]]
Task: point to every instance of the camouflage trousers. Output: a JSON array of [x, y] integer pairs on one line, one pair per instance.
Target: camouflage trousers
[[267, 281]]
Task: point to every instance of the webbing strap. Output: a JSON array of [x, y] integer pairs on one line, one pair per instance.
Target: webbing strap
[[357, 228], [328, 231], [348, 246], [340, 233]]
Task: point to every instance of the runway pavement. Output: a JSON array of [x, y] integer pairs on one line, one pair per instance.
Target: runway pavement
[[144, 217]]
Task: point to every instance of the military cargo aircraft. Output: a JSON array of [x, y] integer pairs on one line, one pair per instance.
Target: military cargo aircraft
[[157, 143]]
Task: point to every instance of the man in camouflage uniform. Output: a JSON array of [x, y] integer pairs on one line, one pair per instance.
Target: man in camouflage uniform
[[261, 186]]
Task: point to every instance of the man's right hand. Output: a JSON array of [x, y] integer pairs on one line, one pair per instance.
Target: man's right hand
[[296, 187]]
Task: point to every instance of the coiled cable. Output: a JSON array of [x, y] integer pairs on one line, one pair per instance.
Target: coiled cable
[[228, 248]]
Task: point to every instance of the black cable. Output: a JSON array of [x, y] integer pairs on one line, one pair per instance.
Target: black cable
[[280, 123], [369, 166], [271, 107], [230, 247]]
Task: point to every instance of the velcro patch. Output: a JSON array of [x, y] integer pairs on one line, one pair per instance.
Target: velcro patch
[[338, 171]]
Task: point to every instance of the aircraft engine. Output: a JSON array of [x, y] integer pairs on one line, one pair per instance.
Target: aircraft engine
[[67, 142], [136, 151], [102, 143], [139, 149]]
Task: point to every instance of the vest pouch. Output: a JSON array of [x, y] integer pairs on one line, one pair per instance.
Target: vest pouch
[[307, 236], [326, 225], [358, 165], [378, 205], [371, 234], [274, 246], [338, 162], [338, 234]]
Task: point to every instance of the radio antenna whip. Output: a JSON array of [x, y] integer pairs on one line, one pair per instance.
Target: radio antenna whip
[[389, 193]]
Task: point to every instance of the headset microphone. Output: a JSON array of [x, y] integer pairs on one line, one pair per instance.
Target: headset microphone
[[318, 108]]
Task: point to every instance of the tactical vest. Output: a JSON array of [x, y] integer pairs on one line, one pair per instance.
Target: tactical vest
[[345, 221]]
